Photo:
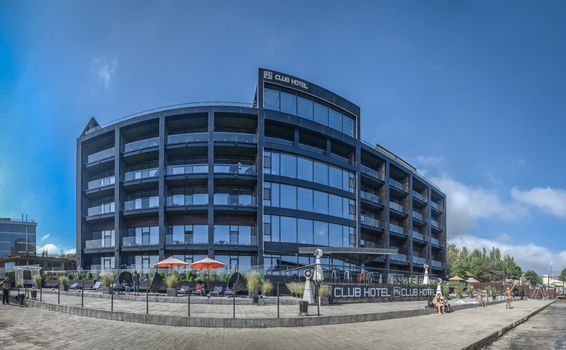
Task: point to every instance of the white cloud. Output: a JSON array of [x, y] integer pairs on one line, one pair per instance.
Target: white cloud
[[105, 68], [552, 200], [70, 251], [44, 237], [529, 256]]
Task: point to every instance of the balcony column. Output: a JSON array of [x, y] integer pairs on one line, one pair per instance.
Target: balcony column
[[211, 183], [162, 190], [118, 200], [79, 208], [357, 189], [427, 231], [259, 186], [409, 221], [386, 212]]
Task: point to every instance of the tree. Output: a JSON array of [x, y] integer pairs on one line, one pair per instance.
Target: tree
[[563, 275], [533, 278]]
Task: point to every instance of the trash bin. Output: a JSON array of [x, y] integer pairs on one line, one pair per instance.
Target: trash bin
[[303, 307]]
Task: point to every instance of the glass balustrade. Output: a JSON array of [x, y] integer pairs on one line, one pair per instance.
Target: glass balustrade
[[435, 205], [105, 208], [396, 229], [178, 239], [187, 138], [434, 223], [419, 260], [106, 181], [241, 200], [436, 263], [99, 243], [142, 203], [435, 241], [235, 169], [369, 196], [418, 235], [139, 241], [366, 220], [396, 206], [104, 154], [234, 137], [418, 195], [141, 144], [398, 185], [371, 172], [141, 174], [201, 168], [398, 258], [187, 199], [417, 215]]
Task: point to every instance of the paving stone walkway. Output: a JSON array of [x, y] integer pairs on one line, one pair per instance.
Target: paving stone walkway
[[32, 328]]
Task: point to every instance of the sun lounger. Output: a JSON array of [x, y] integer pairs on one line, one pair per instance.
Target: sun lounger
[[216, 291], [199, 289], [96, 285], [74, 286]]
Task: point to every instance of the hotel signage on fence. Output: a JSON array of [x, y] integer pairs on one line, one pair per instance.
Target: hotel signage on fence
[[341, 293]]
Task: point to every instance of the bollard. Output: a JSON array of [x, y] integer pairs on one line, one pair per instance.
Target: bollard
[[112, 301], [58, 294], [83, 295], [317, 292], [41, 293], [147, 301], [189, 303], [234, 306], [277, 299]]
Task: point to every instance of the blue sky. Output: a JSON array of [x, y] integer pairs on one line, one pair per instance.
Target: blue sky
[[470, 92]]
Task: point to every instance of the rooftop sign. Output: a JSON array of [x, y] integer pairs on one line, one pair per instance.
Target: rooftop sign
[[285, 79]]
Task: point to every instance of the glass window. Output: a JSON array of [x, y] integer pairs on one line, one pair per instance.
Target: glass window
[[305, 107], [200, 198], [247, 236], [267, 228], [275, 228], [346, 180], [305, 231], [334, 119], [275, 163], [320, 233], [288, 197], [335, 177], [321, 202], [320, 113], [335, 235], [200, 234], [348, 125], [335, 203], [305, 169], [288, 229], [221, 234], [275, 195], [288, 165], [271, 99], [321, 173], [288, 103], [267, 163], [305, 201]]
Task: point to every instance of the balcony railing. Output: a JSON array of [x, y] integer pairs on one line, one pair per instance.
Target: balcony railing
[[104, 154], [418, 260], [371, 172], [177, 200], [106, 181], [141, 144], [105, 208], [242, 200], [396, 229], [99, 243], [396, 206], [141, 174], [235, 169], [140, 241], [396, 184], [434, 223], [234, 137], [178, 239], [369, 221], [436, 263], [418, 195], [417, 215], [201, 168], [187, 138], [399, 258], [418, 235], [435, 205], [370, 197], [435, 241], [141, 203]]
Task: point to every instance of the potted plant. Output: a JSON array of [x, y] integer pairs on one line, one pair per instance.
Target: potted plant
[[63, 283], [89, 276], [106, 280], [266, 287], [445, 290], [459, 290], [324, 292], [37, 280], [253, 284], [171, 282]]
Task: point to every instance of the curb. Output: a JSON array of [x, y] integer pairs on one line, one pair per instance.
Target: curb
[[183, 321], [489, 339]]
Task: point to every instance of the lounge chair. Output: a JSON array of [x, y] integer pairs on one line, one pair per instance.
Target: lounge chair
[[216, 291], [74, 286], [185, 289], [96, 285], [199, 289], [229, 292]]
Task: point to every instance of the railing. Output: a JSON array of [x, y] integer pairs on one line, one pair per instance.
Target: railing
[[141, 144], [187, 169], [417, 215], [418, 235], [141, 174], [104, 154], [187, 138], [235, 169], [99, 243], [371, 172], [369, 196], [187, 199], [396, 206], [242, 200], [142, 203], [436, 263], [399, 258], [369, 221], [418, 195], [435, 205], [434, 223], [178, 239], [106, 181], [396, 184], [237, 241], [435, 241], [105, 208], [234, 137], [140, 241], [396, 229], [418, 260]]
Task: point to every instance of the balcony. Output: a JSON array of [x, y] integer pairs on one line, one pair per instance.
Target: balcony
[[239, 200], [435, 206], [417, 235], [434, 224], [369, 197], [417, 215], [106, 208], [238, 168], [435, 241], [140, 241], [370, 172], [418, 196], [180, 200], [419, 260], [98, 183], [397, 229], [141, 174], [234, 137], [201, 168], [141, 203], [98, 156], [99, 243], [178, 239], [399, 258], [141, 144], [436, 264], [396, 206], [396, 184], [369, 221], [187, 138]]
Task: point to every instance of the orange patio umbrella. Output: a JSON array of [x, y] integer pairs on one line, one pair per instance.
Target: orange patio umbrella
[[456, 279], [171, 262], [207, 264]]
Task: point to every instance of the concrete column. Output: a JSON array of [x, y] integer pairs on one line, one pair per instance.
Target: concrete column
[[118, 200], [162, 187], [211, 183]]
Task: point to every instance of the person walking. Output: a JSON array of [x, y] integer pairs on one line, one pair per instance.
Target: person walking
[[136, 281], [6, 286], [508, 298]]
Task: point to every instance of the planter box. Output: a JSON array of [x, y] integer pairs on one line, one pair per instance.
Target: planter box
[[34, 294], [107, 290], [171, 292], [64, 288]]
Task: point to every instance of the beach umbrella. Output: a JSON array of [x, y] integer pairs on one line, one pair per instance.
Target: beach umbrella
[[207, 264], [456, 279], [171, 262], [472, 280]]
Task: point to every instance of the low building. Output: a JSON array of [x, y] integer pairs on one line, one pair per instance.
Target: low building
[[17, 236], [47, 263]]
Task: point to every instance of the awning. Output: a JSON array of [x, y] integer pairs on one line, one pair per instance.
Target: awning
[[356, 256]]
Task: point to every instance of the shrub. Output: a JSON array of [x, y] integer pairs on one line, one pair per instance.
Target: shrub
[[106, 278], [89, 276], [212, 276], [176, 274], [223, 277], [189, 276], [445, 290], [63, 280], [70, 277], [296, 288], [37, 280], [324, 291], [459, 290], [162, 274], [253, 281], [266, 287], [171, 281]]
